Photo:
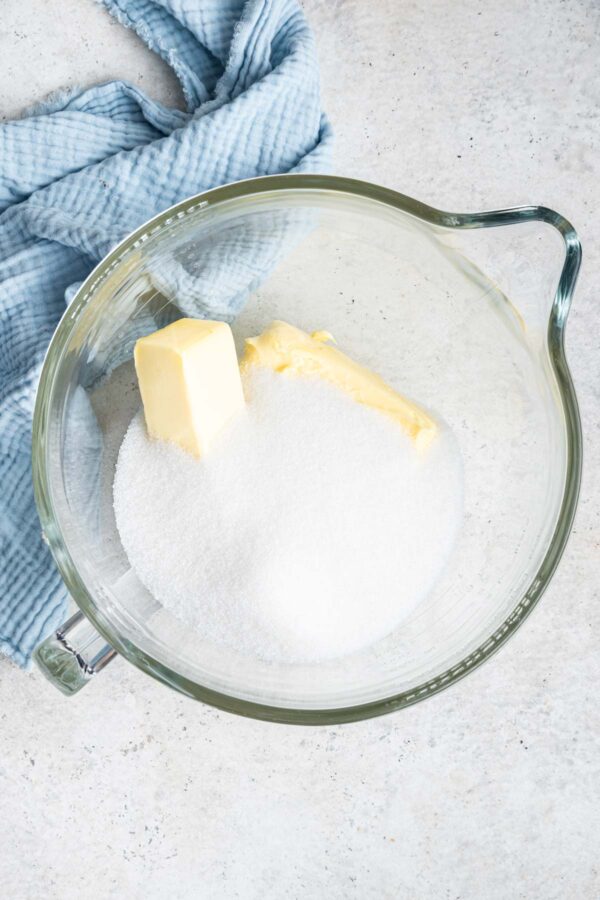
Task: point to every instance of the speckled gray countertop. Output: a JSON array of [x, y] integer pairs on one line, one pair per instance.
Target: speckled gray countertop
[[490, 790]]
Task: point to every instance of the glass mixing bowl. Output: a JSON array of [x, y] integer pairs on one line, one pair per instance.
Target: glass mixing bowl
[[450, 309]]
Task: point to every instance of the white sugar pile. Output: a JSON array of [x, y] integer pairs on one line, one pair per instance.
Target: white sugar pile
[[312, 530]]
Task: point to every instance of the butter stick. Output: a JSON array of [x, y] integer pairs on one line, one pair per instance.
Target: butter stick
[[287, 349], [189, 381]]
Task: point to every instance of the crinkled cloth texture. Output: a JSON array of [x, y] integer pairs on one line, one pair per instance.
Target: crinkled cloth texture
[[82, 170]]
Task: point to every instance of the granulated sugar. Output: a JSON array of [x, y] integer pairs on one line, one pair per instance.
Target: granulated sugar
[[311, 530]]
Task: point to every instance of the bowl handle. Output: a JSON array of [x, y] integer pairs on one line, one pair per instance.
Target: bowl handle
[[73, 654]]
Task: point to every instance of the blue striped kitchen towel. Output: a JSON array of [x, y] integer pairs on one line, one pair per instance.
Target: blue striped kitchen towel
[[81, 171]]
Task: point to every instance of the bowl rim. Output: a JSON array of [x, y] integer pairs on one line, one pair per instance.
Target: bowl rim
[[555, 341]]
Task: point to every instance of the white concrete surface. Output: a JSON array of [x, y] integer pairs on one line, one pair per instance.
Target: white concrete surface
[[488, 791]]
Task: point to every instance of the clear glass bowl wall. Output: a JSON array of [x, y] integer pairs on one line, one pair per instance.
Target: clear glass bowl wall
[[453, 316]]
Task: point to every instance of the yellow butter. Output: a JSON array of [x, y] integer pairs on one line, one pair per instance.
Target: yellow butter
[[284, 348], [189, 381]]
